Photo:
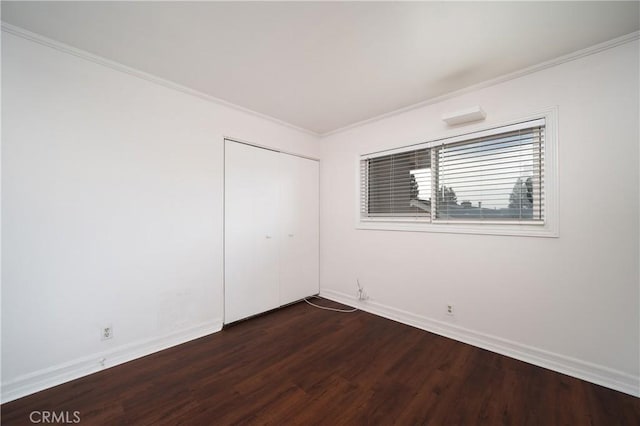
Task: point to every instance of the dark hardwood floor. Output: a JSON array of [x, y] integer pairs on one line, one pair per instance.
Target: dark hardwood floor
[[301, 365]]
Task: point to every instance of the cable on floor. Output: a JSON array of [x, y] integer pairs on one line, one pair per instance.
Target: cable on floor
[[346, 311]]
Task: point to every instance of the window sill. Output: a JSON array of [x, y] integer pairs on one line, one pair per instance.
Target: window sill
[[466, 227]]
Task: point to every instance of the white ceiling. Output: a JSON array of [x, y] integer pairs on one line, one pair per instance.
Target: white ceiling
[[325, 65]]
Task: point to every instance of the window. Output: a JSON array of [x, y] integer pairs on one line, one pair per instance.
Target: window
[[492, 181], [397, 185]]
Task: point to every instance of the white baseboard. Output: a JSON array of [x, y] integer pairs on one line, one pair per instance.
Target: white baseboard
[[56, 375], [574, 367]]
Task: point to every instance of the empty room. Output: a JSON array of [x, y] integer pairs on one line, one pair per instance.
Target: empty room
[[333, 213]]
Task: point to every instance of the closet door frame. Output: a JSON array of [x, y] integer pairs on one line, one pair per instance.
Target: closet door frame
[[225, 236]]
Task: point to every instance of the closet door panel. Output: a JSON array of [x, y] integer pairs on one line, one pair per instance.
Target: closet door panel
[[252, 224], [299, 248]]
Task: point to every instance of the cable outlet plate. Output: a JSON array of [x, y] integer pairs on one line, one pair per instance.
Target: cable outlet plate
[[362, 296]]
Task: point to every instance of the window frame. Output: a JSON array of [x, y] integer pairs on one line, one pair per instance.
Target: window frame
[[549, 225]]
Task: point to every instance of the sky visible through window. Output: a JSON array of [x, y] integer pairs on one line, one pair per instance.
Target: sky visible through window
[[490, 174], [423, 180]]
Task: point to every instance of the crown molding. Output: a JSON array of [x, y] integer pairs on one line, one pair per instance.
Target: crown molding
[[62, 47], [504, 78], [45, 41]]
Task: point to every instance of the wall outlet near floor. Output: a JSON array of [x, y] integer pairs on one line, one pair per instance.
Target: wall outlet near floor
[[450, 309], [362, 295], [107, 332]]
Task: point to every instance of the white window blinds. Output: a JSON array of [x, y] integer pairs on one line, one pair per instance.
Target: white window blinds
[[391, 185], [495, 175]]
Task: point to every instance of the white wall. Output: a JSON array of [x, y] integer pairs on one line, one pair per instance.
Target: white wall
[[112, 213], [569, 303]]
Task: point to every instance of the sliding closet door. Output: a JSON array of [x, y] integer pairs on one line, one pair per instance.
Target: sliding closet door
[[252, 228], [299, 210]]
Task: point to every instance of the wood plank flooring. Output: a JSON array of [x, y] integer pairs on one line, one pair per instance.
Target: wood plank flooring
[[303, 366]]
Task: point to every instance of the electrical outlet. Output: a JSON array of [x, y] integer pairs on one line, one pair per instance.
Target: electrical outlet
[[449, 309], [107, 332]]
